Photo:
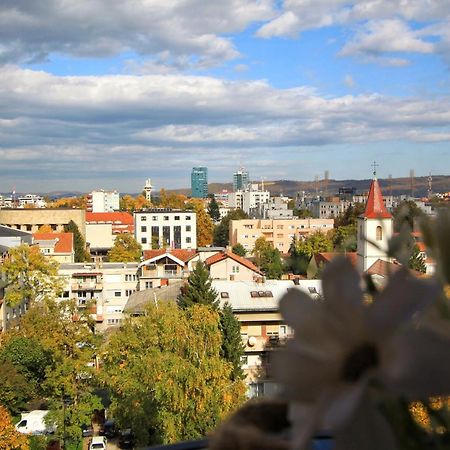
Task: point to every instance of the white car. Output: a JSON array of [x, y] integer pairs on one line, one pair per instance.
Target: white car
[[98, 443]]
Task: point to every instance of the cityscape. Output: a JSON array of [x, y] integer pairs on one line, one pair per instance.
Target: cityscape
[[224, 225]]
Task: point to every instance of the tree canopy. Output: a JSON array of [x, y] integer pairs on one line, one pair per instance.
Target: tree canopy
[[79, 243], [268, 258], [213, 209], [166, 375], [29, 275], [10, 439], [125, 249], [239, 249], [198, 289], [205, 225]]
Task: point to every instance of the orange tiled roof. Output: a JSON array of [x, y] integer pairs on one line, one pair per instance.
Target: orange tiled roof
[[326, 257], [182, 254], [375, 208], [224, 255], [119, 217], [64, 242]]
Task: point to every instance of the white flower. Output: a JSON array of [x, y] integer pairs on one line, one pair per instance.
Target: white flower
[[342, 346]]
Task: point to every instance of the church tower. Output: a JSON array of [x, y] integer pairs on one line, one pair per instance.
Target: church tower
[[375, 228]]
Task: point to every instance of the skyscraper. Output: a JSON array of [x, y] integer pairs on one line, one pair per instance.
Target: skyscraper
[[199, 182], [241, 180]]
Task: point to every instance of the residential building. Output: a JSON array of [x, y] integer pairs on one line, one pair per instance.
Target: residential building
[[32, 219], [24, 201], [241, 180], [222, 198], [199, 182], [58, 246], [163, 227], [102, 229], [103, 201], [275, 208], [250, 199], [374, 228], [148, 189], [228, 266], [103, 289], [279, 232], [327, 209]]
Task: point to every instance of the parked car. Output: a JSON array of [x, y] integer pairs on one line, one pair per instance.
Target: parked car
[[126, 439], [87, 430], [98, 443], [108, 429]]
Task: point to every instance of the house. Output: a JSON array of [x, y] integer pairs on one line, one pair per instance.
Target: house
[[161, 267], [226, 265], [58, 246]]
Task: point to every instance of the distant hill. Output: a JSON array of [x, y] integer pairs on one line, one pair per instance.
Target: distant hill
[[394, 186]]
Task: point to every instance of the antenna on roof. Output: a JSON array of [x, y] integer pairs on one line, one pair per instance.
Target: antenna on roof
[[374, 165], [430, 186], [411, 177]]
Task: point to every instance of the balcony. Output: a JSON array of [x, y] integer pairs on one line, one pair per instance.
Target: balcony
[[87, 286]]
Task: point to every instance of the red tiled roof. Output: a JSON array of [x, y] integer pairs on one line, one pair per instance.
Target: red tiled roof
[[64, 242], [375, 208], [119, 217], [181, 254], [224, 255], [327, 257]]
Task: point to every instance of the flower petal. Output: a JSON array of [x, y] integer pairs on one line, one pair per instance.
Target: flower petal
[[298, 308], [367, 430], [344, 297], [419, 366], [403, 296]]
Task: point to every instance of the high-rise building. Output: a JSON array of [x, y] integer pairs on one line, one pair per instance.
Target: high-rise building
[[148, 189], [241, 180], [103, 201], [199, 182]]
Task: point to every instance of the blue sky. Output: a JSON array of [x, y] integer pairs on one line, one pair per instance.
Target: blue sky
[[106, 93]]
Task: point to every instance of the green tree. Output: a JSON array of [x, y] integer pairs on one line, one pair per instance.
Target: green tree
[[79, 243], [213, 209], [165, 374], [406, 214], [239, 249], [350, 216], [198, 289], [125, 249], [344, 238], [268, 258], [232, 347], [297, 261], [29, 276], [416, 260], [302, 213], [221, 235], [315, 243], [15, 390]]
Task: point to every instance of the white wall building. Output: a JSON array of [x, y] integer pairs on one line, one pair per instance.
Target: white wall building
[[103, 201], [169, 228]]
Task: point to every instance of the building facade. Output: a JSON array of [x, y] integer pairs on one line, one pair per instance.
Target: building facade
[[279, 232], [165, 228], [241, 180], [148, 189], [103, 201], [199, 182]]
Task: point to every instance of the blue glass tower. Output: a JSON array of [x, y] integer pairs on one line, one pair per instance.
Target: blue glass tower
[[199, 182]]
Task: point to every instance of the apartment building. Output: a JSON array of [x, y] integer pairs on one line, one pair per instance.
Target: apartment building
[[103, 201], [279, 232], [166, 228], [103, 289], [249, 199]]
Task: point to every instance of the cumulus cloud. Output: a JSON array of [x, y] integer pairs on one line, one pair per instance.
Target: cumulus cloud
[[129, 124], [32, 31], [382, 25]]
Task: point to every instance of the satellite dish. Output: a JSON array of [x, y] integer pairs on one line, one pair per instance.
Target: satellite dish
[[251, 341]]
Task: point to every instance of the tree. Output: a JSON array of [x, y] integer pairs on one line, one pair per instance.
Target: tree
[[15, 390], [315, 243], [213, 209], [29, 276], [416, 260], [268, 258], [261, 246], [350, 216], [125, 249], [221, 235], [302, 213], [127, 203], [344, 238], [79, 243], [406, 213], [10, 439], [297, 261], [239, 250], [205, 225], [166, 376], [45, 229], [172, 200], [232, 348], [198, 289]]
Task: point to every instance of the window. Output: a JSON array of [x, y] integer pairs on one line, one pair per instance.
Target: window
[[224, 295], [155, 218], [379, 233], [128, 292], [117, 293], [188, 240], [244, 360], [166, 218], [143, 240], [143, 218], [148, 284], [177, 217], [130, 277], [235, 269], [255, 294], [144, 229], [188, 217], [312, 290], [279, 227], [188, 228]]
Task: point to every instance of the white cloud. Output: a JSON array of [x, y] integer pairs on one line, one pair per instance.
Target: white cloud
[[349, 81]]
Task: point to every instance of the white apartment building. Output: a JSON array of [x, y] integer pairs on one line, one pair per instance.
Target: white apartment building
[[279, 232], [103, 201], [162, 227], [102, 288], [249, 199]]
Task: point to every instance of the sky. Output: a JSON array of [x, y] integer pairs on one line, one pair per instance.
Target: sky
[[103, 94]]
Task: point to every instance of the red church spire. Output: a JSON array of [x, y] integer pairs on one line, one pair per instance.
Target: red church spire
[[375, 208]]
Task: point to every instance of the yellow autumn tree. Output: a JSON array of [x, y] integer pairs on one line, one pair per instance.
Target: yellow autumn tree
[[205, 225], [10, 439]]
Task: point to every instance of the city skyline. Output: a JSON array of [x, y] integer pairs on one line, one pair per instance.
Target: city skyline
[[105, 97]]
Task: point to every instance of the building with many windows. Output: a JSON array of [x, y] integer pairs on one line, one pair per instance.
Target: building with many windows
[[165, 228], [199, 182], [241, 180], [103, 201]]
